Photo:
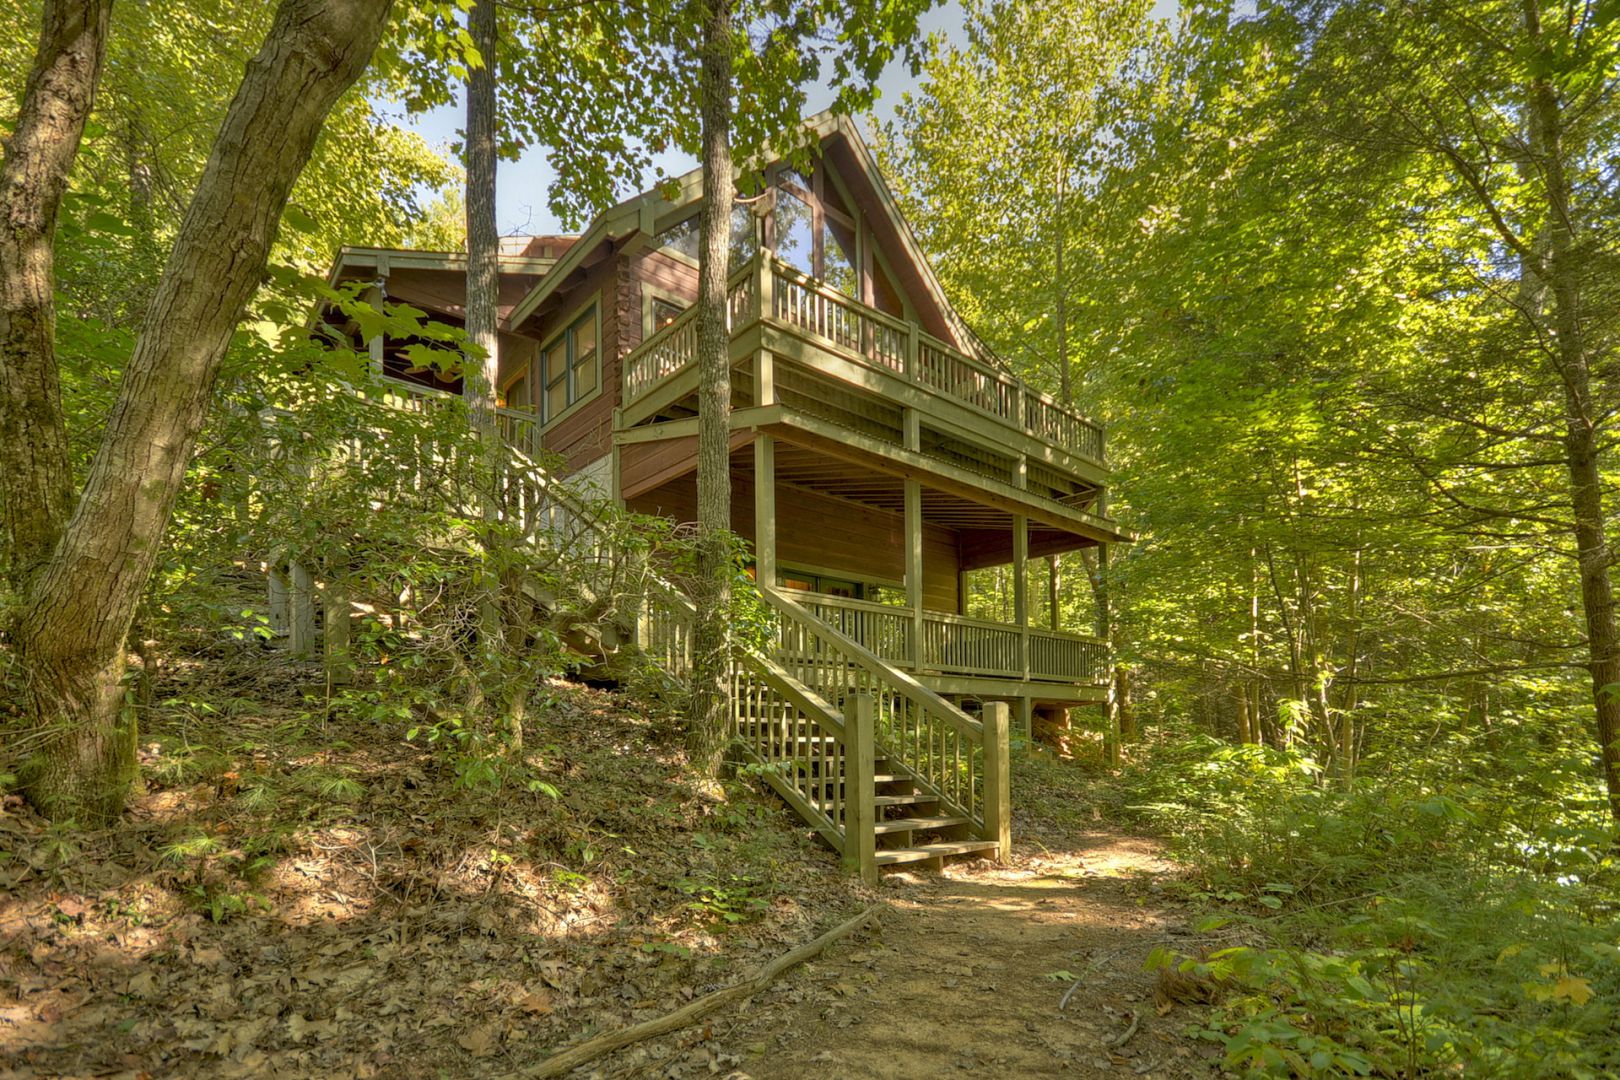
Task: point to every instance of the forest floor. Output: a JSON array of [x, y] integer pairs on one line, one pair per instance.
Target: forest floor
[[303, 893], [972, 971]]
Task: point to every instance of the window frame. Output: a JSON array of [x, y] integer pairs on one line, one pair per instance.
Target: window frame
[[652, 295], [591, 310]]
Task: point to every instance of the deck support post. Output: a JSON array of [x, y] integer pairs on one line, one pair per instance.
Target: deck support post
[[764, 509], [335, 616], [376, 295], [914, 570], [277, 588], [1026, 717], [301, 610], [1052, 593], [764, 378], [1021, 589], [860, 811], [997, 778], [912, 434]]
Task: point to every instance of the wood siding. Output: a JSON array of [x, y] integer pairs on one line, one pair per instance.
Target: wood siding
[[824, 533], [586, 432]]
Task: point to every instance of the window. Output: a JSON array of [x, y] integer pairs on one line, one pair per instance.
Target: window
[[684, 238], [517, 394], [814, 230], [568, 365], [664, 312], [838, 257], [805, 581], [795, 230]]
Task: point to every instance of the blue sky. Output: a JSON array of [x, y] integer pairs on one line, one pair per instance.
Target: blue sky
[[520, 186]]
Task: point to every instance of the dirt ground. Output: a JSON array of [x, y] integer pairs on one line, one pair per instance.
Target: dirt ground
[[968, 973]]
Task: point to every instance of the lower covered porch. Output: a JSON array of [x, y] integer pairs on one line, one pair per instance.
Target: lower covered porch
[[884, 553]]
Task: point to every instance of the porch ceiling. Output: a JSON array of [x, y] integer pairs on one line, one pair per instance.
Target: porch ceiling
[[807, 469]]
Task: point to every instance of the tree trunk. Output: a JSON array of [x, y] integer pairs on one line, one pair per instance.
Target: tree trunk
[[1560, 269], [1061, 295], [1122, 700], [71, 640], [36, 473], [483, 321], [711, 647]]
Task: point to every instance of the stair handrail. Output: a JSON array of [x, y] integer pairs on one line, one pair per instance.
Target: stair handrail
[[941, 748], [876, 665]]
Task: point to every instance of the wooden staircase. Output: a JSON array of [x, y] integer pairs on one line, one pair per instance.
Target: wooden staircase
[[886, 771]]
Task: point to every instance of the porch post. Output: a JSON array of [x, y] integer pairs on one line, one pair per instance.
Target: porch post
[[1021, 589], [764, 509], [1052, 592], [375, 296], [914, 569], [914, 566]]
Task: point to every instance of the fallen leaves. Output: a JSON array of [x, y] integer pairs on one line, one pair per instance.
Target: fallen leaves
[[404, 933]]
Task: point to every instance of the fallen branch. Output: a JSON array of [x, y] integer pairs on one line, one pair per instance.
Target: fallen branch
[[1095, 964], [591, 1049], [1115, 1044]]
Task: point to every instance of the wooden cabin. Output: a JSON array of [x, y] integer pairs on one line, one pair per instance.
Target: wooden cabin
[[879, 451]]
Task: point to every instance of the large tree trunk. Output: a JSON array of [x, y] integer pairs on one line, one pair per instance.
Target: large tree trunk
[[70, 640], [483, 321], [711, 698], [1559, 268], [36, 474]]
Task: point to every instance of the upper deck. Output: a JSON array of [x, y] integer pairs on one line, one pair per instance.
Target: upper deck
[[840, 371]]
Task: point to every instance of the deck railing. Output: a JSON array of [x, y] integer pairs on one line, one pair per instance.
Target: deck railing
[[767, 289], [957, 645]]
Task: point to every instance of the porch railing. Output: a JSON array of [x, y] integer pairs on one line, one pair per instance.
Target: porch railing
[[767, 289], [957, 645]]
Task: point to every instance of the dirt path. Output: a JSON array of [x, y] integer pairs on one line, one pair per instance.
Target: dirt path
[[966, 974]]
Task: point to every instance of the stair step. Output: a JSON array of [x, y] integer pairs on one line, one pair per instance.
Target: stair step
[[911, 824], [920, 852], [903, 800]]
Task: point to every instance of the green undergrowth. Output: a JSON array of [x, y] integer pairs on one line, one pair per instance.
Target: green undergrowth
[[1428, 918], [1421, 919]]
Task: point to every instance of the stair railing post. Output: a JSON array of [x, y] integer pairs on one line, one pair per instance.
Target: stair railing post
[[997, 777], [301, 615], [336, 613], [860, 811], [279, 589]]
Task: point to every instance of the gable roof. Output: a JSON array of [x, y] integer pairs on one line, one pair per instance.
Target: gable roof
[[637, 220]]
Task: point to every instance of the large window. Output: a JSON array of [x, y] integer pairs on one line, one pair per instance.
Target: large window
[[569, 368], [684, 237], [814, 230]]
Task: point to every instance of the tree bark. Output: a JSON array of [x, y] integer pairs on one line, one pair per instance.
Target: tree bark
[[483, 237], [711, 698], [483, 322], [70, 641], [36, 473], [1560, 270]]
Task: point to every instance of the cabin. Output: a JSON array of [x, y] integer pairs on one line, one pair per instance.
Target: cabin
[[880, 452]]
